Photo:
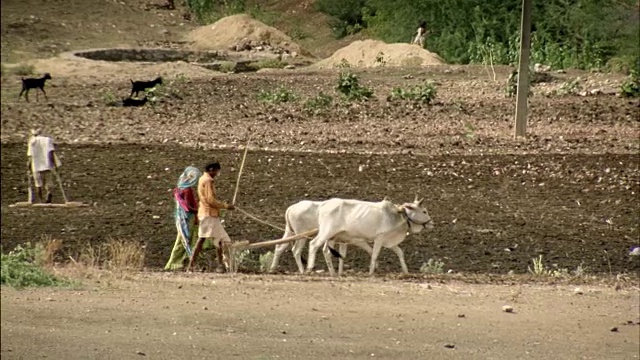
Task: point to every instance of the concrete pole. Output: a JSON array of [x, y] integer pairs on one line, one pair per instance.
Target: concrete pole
[[523, 70]]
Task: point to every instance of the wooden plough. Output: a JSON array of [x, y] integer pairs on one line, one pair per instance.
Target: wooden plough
[[30, 203], [245, 245]]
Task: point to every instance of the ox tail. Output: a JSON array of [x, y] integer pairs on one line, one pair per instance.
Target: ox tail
[[333, 251]]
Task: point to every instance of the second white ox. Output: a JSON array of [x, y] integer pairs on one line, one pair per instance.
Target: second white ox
[[302, 217], [381, 223]]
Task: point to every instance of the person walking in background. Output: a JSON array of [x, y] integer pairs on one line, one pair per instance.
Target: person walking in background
[[209, 216], [42, 162], [421, 34], [186, 219]]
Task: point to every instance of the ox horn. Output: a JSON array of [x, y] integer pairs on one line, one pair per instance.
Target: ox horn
[[420, 202], [415, 199]]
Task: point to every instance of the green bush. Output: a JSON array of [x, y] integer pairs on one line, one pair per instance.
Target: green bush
[[349, 86], [22, 268], [424, 93], [209, 11], [631, 85], [346, 15], [581, 34], [265, 261], [280, 95], [432, 266]]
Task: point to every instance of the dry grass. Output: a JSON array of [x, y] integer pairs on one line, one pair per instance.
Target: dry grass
[[115, 254], [47, 249]]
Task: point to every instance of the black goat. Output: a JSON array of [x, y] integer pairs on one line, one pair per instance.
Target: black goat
[[134, 102], [137, 86], [34, 83]]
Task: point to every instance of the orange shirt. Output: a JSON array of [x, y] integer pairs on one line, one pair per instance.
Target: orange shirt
[[208, 205]]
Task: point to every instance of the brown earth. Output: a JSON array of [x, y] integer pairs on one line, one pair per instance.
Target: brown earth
[[274, 317], [569, 192], [557, 206]]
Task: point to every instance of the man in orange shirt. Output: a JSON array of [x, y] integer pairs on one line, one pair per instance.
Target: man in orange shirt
[[209, 216]]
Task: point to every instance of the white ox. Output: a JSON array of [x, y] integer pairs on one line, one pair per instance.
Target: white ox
[[302, 217], [382, 223]]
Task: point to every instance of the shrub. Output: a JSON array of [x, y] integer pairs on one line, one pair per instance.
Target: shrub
[[265, 261], [316, 104], [114, 255], [22, 267], [424, 93], [24, 70], [349, 86], [347, 15], [631, 85], [269, 64], [539, 269], [569, 87], [279, 95], [380, 61], [344, 64], [169, 89], [209, 11], [228, 67], [432, 267]]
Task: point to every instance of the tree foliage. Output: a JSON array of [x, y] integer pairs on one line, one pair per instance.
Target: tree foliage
[[565, 33]]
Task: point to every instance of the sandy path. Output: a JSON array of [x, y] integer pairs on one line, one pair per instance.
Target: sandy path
[[261, 317]]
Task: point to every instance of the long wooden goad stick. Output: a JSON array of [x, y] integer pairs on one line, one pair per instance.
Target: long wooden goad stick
[[244, 157]]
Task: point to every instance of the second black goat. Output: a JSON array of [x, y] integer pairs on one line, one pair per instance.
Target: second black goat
[[137, 86], [134, 102]]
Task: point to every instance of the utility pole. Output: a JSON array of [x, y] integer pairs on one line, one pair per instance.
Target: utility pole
[[523, 70]]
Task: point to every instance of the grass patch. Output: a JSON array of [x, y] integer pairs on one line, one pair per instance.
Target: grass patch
[[317, 104], [280, 95], [24, 69], [115, 254], [541, 270], [25, 265], [269, 64], [228, 67], [432, 266], [424, 93]]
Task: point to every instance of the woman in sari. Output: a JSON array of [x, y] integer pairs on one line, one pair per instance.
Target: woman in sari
[[186, 218]]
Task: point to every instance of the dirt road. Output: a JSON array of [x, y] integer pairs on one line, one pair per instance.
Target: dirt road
[[273, 317]]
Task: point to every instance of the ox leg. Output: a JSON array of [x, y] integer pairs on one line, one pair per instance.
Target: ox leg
[[377, 245], [343, 254], [297, 253], [328, 259], [366, 247], [280, 249], [396, 249], [314, 246]]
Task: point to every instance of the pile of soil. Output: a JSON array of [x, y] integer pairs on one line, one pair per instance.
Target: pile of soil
[[374, 53], [67, 65], [237, 31]]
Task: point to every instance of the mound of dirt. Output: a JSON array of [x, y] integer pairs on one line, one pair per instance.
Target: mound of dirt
[[373, 53], [236, 31], [68, 66]]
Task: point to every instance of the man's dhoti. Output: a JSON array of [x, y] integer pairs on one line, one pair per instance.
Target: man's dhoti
[[211, 227]]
